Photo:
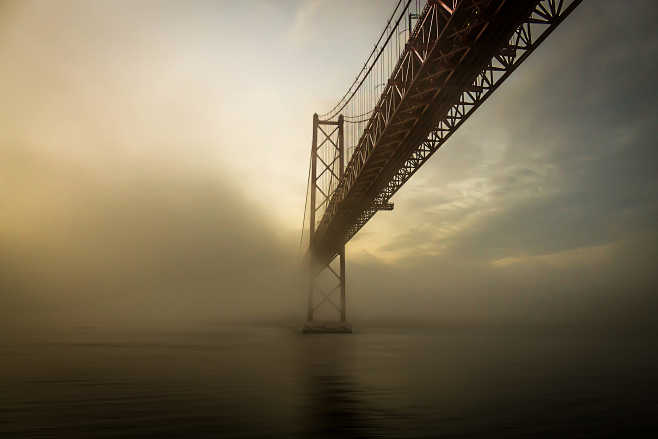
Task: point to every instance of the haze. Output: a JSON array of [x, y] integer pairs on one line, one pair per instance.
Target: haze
[[153, 170]]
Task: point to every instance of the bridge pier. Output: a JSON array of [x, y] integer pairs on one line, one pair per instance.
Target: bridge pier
[[319, 296], [321, 290]]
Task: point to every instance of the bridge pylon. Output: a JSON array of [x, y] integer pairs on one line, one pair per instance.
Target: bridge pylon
[[327, 280]]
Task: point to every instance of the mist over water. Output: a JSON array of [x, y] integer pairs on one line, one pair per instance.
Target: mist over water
[[135, 247], [162, 247]]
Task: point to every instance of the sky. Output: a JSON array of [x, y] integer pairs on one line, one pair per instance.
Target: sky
[[154, 164]]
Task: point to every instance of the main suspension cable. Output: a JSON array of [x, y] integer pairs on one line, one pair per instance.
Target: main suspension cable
[[308, 184], [342, 103]]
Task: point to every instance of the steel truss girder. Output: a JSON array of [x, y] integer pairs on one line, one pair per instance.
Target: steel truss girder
[[406, 82], [440, 41]]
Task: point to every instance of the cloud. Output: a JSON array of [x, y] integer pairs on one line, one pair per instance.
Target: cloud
[[306, 17]]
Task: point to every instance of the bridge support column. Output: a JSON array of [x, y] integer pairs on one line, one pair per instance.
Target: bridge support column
[[313, 182], [342, 285], [322, 285]]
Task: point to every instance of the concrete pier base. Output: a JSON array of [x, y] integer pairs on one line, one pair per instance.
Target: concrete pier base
[[317, 327]]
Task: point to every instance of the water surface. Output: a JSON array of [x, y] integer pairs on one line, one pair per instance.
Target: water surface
[[275, 382]]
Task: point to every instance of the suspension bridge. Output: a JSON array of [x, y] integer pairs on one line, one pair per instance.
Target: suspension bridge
[[433, 66]]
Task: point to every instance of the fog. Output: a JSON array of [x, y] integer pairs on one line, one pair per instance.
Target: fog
[[152, 176], [132, 246], [145, 246]]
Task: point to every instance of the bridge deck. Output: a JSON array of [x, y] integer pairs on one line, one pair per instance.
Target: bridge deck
[[447, 51]]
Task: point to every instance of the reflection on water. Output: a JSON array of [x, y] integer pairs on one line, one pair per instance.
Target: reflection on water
[[337, 408], [274, 382]]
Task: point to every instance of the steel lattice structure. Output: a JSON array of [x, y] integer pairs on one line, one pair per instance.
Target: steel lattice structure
[[457, 55]]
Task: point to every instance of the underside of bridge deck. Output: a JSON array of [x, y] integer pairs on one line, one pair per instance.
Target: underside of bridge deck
[[456, 56], [452, 62]]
